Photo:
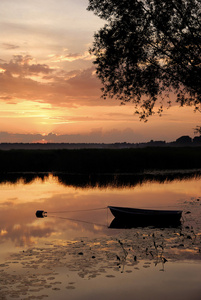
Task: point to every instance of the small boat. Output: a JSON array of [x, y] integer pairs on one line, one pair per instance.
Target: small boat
[[126, 217]]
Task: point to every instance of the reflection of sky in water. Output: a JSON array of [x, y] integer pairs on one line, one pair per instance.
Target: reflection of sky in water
[[131, 263], [20, 201], [99, 262]]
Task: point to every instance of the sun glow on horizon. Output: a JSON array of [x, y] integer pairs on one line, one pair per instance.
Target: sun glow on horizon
[[48, 82], [38, 117]]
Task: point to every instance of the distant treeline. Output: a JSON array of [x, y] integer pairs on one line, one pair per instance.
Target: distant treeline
[[100, 161], [183, 141]]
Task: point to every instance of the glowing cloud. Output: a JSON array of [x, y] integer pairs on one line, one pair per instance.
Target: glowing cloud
[[72, 57]]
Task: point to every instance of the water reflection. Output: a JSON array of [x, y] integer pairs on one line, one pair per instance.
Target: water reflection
[[102, 180], [128, 224], [42, 271], [54, 254], [69, 199]]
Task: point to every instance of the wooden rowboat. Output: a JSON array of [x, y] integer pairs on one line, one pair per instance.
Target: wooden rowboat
[[126, 212], [133, 217]]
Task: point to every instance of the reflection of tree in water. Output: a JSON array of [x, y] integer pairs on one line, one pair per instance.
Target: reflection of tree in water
[[122, 180], [101, 180], [26, 178]]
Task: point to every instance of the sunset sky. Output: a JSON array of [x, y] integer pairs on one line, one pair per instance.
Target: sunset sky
[[48, 86]]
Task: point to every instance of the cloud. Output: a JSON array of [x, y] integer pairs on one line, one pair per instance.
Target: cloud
[[22, 78], [8, 46], [95, 136], [22, 66], [6, 98], [71, 57]]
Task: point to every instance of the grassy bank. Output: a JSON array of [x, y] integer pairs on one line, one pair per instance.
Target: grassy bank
[[100, 160]]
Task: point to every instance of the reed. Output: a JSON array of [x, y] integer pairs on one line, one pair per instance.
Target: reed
[[100, 161]]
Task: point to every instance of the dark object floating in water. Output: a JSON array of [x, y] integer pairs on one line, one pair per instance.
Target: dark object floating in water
[[127, 224], [41, 214], [126, 217]]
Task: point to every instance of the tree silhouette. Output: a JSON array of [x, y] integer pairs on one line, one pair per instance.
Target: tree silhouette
[[197, 130], [147, 50]]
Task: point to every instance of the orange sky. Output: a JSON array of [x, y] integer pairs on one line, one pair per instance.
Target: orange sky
[[48, 83]]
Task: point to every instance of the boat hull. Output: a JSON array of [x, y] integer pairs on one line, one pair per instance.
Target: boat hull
[[130, 217]]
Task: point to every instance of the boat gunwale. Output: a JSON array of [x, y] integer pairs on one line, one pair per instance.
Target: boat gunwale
[[148, 212]]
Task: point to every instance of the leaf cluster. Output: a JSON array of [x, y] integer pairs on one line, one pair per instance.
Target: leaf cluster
[[147, 50]]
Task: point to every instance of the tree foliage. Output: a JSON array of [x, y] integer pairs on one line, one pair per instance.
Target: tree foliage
[[197, 130], [147, 50]]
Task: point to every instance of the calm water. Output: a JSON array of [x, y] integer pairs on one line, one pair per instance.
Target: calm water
[[98, 265]]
